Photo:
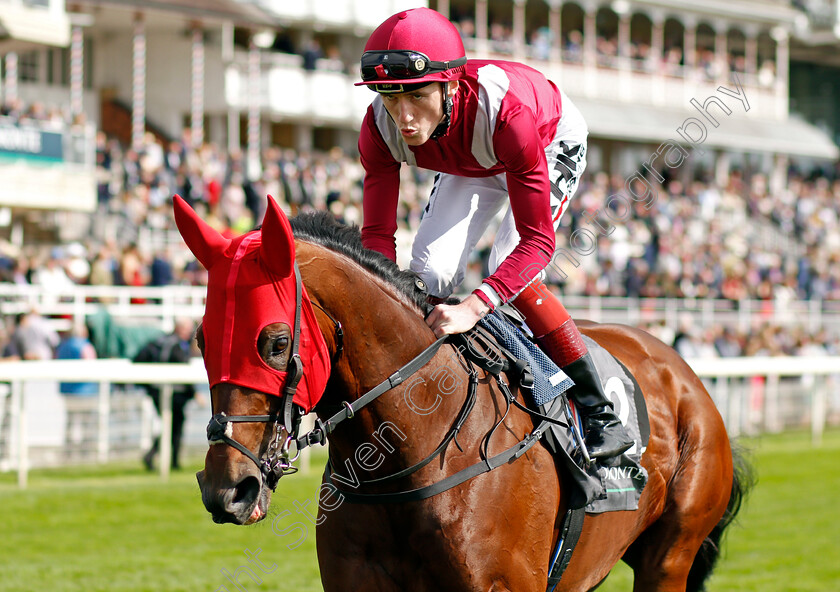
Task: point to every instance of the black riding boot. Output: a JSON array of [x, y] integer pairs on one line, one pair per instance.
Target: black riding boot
[[605, 435]]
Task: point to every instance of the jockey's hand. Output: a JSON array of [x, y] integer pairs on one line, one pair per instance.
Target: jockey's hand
[[447, 319]]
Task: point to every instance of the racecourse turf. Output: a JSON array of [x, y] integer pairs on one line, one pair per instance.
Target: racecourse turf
[[117, 528]]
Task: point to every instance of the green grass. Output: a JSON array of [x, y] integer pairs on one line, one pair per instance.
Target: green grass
[[117, 528], [786, 538]]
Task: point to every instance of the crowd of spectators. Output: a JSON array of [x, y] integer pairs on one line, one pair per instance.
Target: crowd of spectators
[[18, 111], [694, 240], [48, 117], [313, 54], [765, 339], [736, 242]]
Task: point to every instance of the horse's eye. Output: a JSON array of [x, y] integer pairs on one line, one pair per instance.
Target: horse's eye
[[279, 345]]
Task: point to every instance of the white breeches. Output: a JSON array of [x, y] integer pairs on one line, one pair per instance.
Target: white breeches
[[460, 210]]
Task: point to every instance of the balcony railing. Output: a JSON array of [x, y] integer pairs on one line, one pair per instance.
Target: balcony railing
[[285, 88]]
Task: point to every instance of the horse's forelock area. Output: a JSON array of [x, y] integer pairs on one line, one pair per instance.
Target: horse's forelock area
[[323, 229]]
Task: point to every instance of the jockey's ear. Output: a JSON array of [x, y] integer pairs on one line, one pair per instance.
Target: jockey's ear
[[277, 249], [205, 242]]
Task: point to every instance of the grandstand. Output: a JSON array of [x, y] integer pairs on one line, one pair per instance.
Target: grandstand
[[726, 112]]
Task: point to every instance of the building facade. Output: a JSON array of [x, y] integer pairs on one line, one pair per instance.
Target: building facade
[[244, 75]]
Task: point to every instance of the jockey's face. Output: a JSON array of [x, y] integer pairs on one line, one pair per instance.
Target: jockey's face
[[417, 113]]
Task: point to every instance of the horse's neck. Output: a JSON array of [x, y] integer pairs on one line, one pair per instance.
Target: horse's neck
[[376, 318], [383, 331]]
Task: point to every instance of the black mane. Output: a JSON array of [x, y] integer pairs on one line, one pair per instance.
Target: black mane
[[323, 229]]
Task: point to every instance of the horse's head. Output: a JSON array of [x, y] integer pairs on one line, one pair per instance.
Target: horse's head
[[265, 356]]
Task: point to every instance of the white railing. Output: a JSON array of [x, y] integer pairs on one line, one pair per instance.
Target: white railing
[[769, 394], [103, 372], [161, 306], [361, 14], [158, 306], [749, 392], [743, 315], [288, 89], [294, 92]]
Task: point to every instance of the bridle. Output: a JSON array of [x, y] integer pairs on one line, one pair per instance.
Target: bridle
[[278, 458]]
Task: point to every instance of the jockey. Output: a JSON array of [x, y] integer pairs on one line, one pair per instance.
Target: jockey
[[497, 133]]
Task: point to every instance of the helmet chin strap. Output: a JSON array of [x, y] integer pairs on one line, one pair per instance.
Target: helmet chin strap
[[443, 126]]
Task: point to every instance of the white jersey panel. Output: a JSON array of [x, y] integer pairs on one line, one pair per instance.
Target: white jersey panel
[[493, 85]]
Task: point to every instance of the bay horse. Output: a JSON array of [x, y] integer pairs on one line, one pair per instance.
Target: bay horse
[[494, 532]]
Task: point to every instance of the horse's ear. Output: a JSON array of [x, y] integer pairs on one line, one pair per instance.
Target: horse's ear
[[277, 250], [204, 241]]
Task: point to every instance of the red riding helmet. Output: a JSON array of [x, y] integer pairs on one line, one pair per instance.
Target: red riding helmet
[[412, 47]]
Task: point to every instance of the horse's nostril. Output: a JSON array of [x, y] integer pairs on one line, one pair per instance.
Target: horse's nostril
[[246, 492]]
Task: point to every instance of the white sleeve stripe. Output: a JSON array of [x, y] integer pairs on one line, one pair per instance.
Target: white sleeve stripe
[[491, 294], [493, 85]]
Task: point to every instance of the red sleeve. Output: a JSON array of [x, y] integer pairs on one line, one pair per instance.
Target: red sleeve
[[381, 190], [519, 148]]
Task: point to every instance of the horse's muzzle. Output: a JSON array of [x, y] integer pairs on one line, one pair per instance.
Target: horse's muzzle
[[235, 505]]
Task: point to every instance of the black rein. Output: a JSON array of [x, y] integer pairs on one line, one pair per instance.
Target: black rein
[[277, 460]]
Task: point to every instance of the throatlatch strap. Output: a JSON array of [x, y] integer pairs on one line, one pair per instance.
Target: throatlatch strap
[[295, 366]]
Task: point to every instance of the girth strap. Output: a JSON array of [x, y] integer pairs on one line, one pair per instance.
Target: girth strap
[[569, 535], [421, 493]]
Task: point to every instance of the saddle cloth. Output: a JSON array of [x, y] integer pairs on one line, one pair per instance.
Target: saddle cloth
[[601, 487]]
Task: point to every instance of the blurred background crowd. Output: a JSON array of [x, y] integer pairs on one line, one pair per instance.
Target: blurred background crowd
[[735, 253], [695, 240]]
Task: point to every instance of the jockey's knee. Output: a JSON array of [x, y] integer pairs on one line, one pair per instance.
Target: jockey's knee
[[440, 283]]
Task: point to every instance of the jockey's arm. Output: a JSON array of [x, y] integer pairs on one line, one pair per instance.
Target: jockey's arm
[[380, 194], [519, 148]]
